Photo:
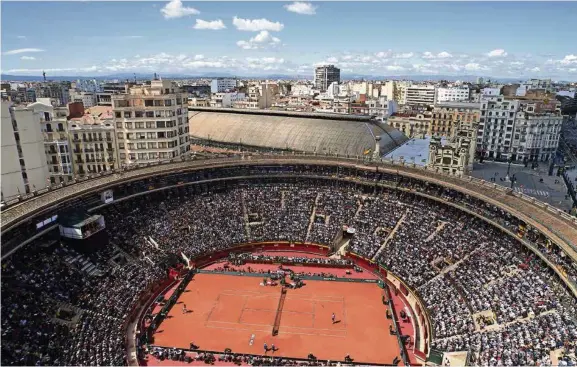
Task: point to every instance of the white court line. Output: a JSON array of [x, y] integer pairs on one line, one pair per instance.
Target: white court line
[[283, 311], [314, 299], [236, 328], [236, 323], [298, 327], [288, 332]]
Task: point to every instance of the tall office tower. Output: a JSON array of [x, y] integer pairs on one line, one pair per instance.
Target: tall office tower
[[325, 76]]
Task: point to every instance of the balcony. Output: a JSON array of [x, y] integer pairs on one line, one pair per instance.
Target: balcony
[[88, 150]]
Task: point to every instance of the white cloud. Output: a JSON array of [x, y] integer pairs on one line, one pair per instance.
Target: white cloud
[[406, 55], [332, 60], [134, 37], [256, 25], [384, 54], [440, 55], [23, 51], [497, 53], [535, 69], [174, 9], [21, 37], [198, 57], [569, 59], [214, 25], [27, 58], [300, 7], [473, 66], [262, 40], [394, 68]]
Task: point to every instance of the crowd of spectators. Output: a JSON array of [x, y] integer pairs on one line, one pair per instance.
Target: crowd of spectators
[[244, 257], [459, 265]]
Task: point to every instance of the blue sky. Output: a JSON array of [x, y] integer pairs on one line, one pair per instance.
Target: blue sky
[[500, 39]]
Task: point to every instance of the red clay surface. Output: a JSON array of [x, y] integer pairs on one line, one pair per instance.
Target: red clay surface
[[230, 311]]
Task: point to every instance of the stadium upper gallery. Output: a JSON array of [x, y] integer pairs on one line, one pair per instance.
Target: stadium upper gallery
[[270, 256]]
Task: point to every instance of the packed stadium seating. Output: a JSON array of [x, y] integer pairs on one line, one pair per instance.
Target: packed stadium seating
[[458, 264]]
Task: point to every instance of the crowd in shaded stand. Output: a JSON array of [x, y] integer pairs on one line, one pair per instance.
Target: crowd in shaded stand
[[457, 263]]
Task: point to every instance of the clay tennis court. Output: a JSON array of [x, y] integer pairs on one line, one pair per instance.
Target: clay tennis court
[[236, 312]]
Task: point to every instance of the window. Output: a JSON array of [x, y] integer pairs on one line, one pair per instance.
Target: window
[[120, 145], [150, 124], [119, 125], [141, 145], [139, 125], [128, 125], [160, 124], [122, 155], [120, 135], [117, 114], [149, 113], [138, 114], [151, 145], [151, 135]]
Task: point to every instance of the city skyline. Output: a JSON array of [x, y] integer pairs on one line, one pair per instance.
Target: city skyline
[[496, 39]]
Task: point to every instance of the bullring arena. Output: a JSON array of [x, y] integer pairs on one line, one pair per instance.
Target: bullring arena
[[205, 261]]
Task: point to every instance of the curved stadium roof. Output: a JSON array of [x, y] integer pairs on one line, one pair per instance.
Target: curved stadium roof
[[324, 133]]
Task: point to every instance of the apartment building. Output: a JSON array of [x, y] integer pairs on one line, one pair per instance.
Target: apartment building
[[58, 91], [453, 94], [419, 95], [24, 165], [325, 76], [198, 102], [447, 115], [259, 97], [104, 97], [412, 124], [151, 122], [381, 108], [225, 100], [88, 99], [53, 124], [537, 131], [93, 141], [222, 85], [496, 125]]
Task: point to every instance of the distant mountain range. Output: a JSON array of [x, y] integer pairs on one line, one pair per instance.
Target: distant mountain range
[[140, 76]]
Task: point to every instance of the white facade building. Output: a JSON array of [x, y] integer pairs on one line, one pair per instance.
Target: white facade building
[[225, 100], [222, 85], [455, 94], [519, 130], [420, 94], [496, 126], [302, 90], [88, 99], [24, 166], [381, 108], [151, 122], [536, 134]]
